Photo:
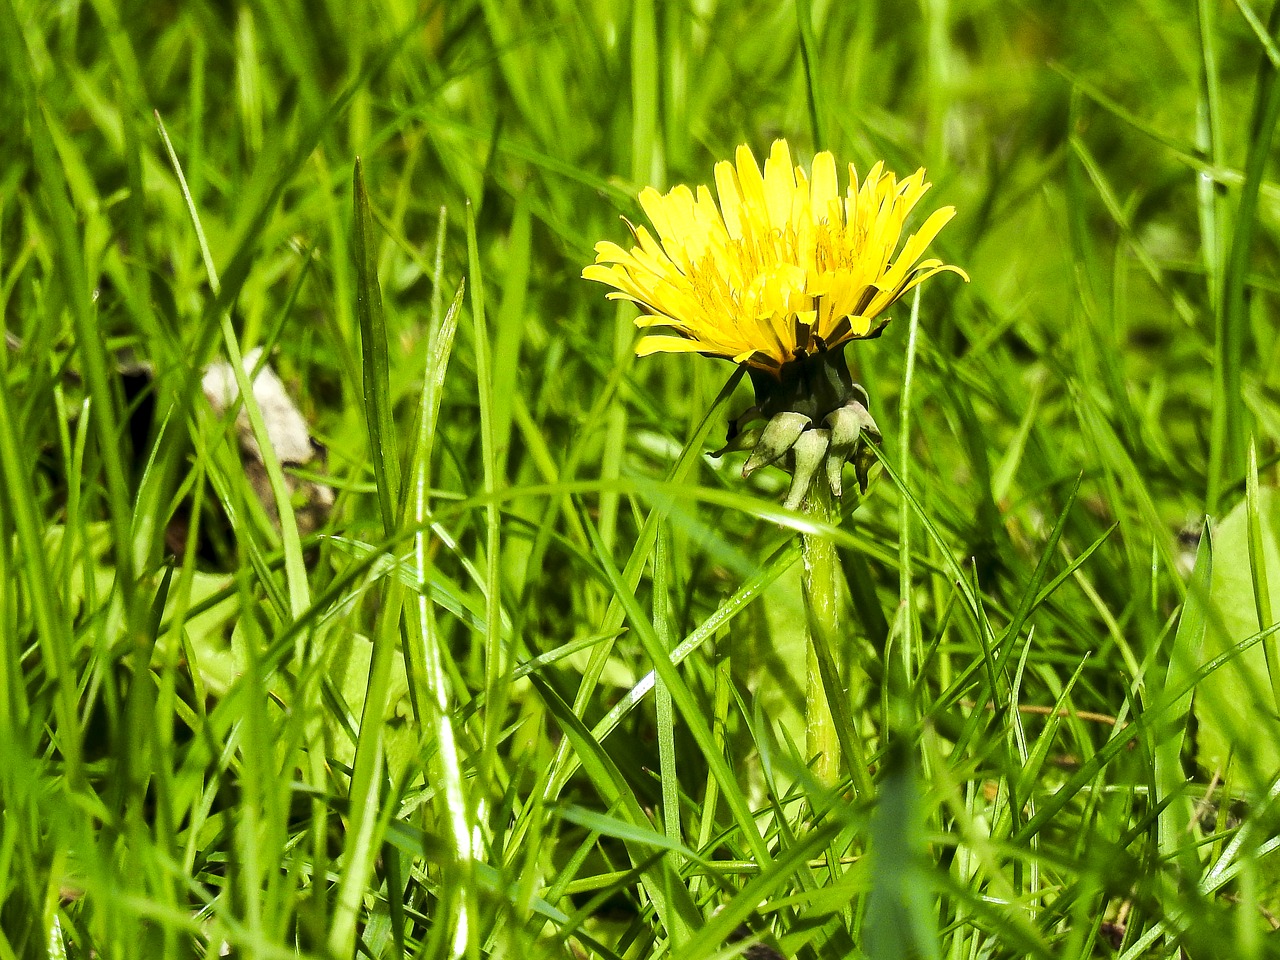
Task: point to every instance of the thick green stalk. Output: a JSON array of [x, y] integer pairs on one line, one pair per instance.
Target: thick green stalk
[[821, 578]]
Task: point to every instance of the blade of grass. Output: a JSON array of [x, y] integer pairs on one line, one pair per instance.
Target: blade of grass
[[907, 619], [512, 319], [1177, 816], [497, 654], [814, 89], [1228, 458], [1150, 720], [900, 920], [1258, 569], [646, 157], [77, 290], [366, 826], [670, 897], [667, 771], [299, 592], [424, 641], [1210, 204], [684, 701], [364, 839], [53, 629], [564, 765], [373, 352], [747, 901]]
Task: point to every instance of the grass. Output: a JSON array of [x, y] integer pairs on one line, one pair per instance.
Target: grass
[[535, 685]]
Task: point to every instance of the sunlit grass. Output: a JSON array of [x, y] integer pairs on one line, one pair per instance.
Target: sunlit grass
[[535, 684]]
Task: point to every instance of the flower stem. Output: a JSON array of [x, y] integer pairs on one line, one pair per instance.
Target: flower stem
[[822, 601]]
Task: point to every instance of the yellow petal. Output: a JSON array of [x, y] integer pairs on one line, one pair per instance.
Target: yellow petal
[[660, 344], [917, 243], [654, 206], [824, 187], [755, 209], [779, 185], [730, 198]]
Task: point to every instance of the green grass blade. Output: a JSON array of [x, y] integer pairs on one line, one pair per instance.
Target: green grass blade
[[1258, 571], [1232, 335], [53, 628], [77, 290], [667, 768], [497, 655], [814, 90], [383, 449], [423, 643], [1176, 818], [685, 703], [670, 897], [900, 919]]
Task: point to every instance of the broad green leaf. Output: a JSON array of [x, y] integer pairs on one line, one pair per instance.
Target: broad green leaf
[[1233, 705]]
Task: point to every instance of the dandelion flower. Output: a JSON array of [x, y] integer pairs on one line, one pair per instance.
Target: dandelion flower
[[782, 268], [779, 275]]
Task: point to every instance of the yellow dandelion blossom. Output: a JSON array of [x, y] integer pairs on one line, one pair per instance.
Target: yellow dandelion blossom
[[782, 268]]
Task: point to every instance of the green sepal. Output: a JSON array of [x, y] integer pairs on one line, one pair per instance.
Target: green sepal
[[782, 431], [809, 451], [741, 440]]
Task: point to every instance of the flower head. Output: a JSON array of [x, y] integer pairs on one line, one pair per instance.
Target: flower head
[[781, 269]]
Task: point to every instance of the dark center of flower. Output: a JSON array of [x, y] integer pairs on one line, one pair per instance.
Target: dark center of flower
[[814, 385]]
